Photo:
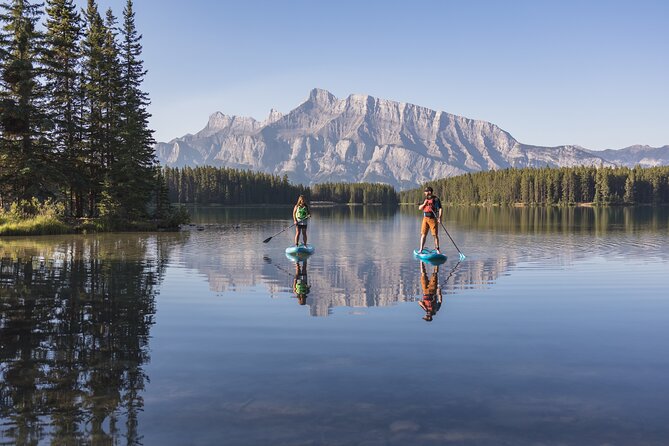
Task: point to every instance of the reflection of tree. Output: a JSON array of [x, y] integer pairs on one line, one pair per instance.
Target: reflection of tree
[[75, 330], [554, 220]]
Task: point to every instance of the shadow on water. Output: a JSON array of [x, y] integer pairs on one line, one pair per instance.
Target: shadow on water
[[75, 317]]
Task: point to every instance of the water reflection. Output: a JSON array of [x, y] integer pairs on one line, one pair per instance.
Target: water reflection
[[545, 220], [213, 215], [327, 287], [433, 288], [75, 318], [77, 315], [431, 301], [301, 283]]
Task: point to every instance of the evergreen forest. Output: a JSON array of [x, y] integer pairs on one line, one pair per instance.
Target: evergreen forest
[[226, 186], [553, 186], [73, 116]]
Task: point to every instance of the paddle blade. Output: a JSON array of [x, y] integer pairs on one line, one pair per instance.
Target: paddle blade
[[267, 240]]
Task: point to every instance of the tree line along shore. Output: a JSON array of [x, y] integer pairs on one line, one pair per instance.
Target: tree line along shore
[[547, 186], [528, 186], [572, 186]]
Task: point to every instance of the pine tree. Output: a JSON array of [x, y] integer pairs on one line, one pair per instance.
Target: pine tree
[[93, 85], [26, 160], [630, 192], [114, 170], [62, 63], [138, 157]]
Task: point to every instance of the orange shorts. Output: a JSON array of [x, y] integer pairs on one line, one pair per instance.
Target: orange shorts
[[431, 224], [429, 287]]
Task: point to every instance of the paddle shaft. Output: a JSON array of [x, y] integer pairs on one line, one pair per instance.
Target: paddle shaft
[[449, 235], [284, 229]]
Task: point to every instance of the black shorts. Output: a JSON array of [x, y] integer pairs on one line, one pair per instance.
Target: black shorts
[[301, 224]]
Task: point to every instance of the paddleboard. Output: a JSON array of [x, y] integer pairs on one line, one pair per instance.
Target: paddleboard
[[300, 250], [429, 256]]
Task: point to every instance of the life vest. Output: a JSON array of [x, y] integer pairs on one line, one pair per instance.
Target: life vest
[[430, 209], [428, 302], [301, 287], [301, 213]]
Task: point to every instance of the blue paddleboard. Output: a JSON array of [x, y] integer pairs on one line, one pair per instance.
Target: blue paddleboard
[[300, 250], [430, 256]]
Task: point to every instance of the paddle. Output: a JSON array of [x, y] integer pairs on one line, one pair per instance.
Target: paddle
[[462, 256], [284, 229]]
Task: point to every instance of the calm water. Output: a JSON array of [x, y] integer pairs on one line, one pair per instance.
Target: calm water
[[553, 331]]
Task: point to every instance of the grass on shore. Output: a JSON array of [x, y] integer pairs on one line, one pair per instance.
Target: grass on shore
[[39, 225]]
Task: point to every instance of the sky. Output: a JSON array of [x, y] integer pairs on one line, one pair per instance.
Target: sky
[[549, 72]]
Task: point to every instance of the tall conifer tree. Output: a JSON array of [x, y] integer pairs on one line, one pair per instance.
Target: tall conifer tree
[[114, 176], [137, 139], [26, 161], [93, 84], [62, 63]]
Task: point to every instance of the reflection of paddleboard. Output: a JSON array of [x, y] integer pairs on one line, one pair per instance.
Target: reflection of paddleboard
[[429, 256], [300, 250]]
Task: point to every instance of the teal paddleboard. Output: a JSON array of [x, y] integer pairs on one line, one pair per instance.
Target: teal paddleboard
[[300, 250], [430, 256]]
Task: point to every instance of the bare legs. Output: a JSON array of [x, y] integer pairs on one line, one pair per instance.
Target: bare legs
[[303, 230], [422, 242]]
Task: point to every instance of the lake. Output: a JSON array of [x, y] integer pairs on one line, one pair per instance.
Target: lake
[[553, 331]]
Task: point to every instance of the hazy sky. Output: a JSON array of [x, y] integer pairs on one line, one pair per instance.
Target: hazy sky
[[592, 73]]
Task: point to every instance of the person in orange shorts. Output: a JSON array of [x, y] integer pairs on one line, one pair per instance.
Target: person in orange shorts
[[432, 210]]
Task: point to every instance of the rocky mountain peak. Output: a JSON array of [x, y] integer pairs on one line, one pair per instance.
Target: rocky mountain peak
[[363, 138], [321, 97], [218, 120], [274, 115], [221, 122]]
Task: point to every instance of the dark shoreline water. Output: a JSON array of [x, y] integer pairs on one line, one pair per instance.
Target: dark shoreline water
[[552, 331]]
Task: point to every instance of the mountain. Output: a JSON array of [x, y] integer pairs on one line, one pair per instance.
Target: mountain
[[644, 156], [362, 138]]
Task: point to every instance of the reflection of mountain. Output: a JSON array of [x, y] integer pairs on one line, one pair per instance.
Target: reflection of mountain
[[389, 284], [368, 279], [362, 259], [75, 317]]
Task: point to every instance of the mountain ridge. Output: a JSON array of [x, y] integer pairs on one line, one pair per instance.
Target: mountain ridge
[[364, 138]]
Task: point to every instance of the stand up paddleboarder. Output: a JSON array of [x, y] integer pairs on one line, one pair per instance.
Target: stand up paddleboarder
[[431, 208], [300, 217]]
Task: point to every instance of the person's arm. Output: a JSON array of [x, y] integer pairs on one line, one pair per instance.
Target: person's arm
[[295, 215], [440, 211], [422, 205]]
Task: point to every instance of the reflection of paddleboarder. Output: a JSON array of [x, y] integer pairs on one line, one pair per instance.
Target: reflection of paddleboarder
[[431, 301], [301, 284]]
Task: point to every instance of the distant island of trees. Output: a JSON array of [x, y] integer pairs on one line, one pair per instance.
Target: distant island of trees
[[226, 186]]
